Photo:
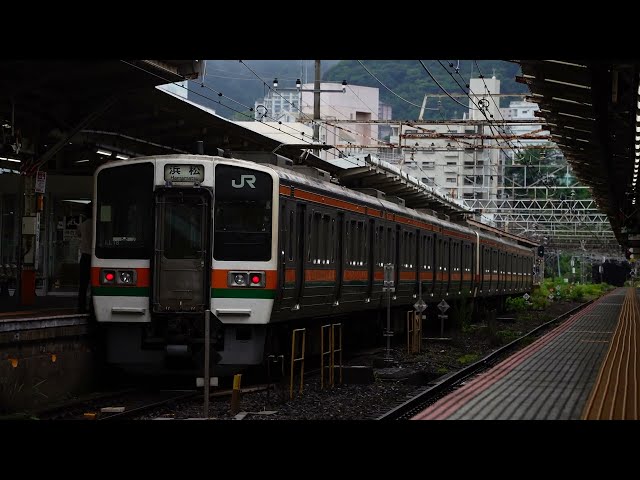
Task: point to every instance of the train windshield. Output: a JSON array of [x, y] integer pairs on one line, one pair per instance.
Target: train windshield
[[243, 209], [123, 223]]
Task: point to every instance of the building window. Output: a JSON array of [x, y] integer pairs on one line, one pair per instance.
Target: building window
[[451, 180]]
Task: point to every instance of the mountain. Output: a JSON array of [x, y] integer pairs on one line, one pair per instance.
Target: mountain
[[411, 81]]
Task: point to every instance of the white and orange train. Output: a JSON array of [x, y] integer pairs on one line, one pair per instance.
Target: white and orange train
[[264, 247]]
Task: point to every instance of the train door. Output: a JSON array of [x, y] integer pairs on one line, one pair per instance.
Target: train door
[[287, 273], [181, 262]]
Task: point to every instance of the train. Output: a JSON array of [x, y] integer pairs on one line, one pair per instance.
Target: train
[[260, 248]]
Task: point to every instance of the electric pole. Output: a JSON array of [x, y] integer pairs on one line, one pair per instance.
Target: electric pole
[[316, 109]]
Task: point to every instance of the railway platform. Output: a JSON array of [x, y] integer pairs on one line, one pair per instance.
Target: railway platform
[[586, 368]]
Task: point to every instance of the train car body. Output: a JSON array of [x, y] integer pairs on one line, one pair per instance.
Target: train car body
[[260, 246]]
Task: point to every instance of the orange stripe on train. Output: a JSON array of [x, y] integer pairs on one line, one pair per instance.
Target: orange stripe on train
[[356, 275], [320, 275]]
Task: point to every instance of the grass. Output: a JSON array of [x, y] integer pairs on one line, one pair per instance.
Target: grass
[[468, 358]]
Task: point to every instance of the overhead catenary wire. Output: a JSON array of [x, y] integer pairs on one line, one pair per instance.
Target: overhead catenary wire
[[222, 104], [442, 88], [380, 82], [473, 102], [305, 116]]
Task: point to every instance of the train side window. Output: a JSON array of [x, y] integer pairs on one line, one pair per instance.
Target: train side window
[[364, 241], [315, 238], [332, 240], [355, 243], [381, 246], [378, 246], [412, 250], [309, 239], [388, 246], [447, 257], [290, 236]]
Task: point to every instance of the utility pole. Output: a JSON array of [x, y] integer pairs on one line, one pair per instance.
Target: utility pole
[[316, 109]]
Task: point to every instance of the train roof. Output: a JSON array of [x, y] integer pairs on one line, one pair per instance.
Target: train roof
[[345, 192]]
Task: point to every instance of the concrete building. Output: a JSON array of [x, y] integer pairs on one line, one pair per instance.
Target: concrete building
[[521, 110], [462, 164], [337, 102], [282, 106]]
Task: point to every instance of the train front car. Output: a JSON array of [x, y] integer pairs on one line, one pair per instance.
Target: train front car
[[176, 236], [243, 276]]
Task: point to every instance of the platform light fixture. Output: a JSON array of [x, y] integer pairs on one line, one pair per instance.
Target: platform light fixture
[[103, 152]]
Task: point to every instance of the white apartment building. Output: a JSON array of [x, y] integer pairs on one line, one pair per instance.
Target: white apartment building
[[460, 162], [283, 106], [337, 102], [521, 110]]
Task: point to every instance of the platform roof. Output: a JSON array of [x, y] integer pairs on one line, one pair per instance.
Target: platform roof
[[590, 108]]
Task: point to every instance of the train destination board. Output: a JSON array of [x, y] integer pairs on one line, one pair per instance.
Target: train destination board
[[184, 173]]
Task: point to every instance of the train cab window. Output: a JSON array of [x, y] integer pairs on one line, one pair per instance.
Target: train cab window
[[183, 229], [123, 224], [243, 213]]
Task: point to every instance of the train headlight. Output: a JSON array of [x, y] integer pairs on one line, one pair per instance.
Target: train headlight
[[126, 277], [108, 277], [238, 279]]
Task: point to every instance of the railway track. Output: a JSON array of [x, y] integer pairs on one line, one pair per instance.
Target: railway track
[[128, 404], [435, 391]]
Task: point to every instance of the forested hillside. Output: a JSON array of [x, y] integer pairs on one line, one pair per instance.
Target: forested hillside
[[409, 79]]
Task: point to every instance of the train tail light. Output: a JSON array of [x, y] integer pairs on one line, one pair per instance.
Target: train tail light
[[108, 277], [256, 279]]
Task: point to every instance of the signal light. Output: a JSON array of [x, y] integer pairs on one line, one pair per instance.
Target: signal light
[[255, 279], [109, 276]]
